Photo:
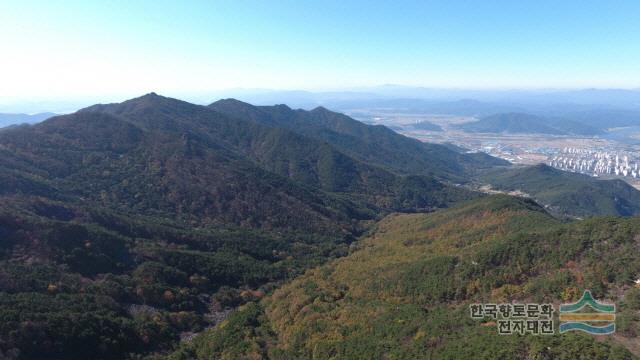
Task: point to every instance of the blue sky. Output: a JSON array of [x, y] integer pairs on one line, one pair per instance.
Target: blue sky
[[71, 48]]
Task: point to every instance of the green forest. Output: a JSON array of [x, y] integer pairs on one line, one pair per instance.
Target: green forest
[[404, 292]]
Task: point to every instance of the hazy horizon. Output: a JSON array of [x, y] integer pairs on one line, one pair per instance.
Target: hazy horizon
[[629, 97]]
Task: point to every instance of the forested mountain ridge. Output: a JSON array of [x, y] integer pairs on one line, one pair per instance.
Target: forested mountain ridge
[[523, 123], [566, 193], [280, 150], [126, 226], [405, 291], [103, 159], [374, 144], [158, 144]]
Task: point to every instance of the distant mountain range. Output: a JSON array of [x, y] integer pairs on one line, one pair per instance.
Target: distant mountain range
[[435, 100], [391, 97], [606, 118], [585, 112], [520, 123]]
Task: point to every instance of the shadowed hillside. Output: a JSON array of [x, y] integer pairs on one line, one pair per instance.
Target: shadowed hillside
[[567, 193]]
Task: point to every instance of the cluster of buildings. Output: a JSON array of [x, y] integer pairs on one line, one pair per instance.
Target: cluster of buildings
[[595, 162]]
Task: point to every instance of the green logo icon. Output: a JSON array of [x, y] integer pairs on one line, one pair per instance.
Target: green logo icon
[[571, 319]]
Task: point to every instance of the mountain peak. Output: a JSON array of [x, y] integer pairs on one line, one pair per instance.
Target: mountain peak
[[236, 108], [144, 102], [150, 98], [282, 107], [229, 102], [321, 109]]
